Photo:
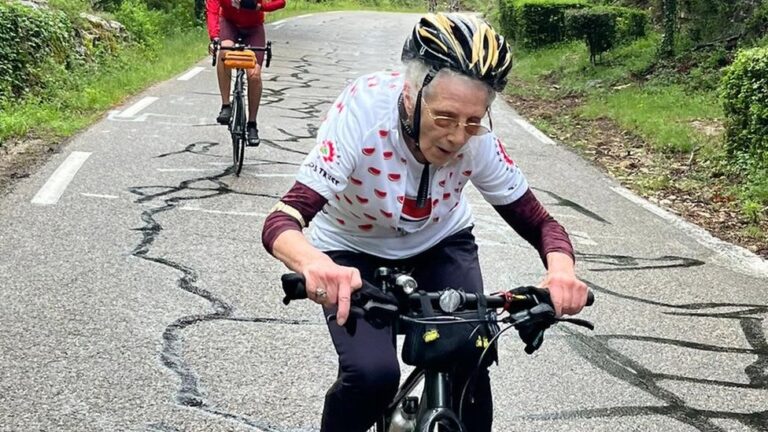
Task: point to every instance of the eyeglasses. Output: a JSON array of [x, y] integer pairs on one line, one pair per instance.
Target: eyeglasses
[[471, 128]]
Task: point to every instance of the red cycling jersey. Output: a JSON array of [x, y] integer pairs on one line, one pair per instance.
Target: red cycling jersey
[[242, 18]]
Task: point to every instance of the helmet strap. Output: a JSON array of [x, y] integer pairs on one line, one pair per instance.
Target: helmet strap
[[407, 128], [413, 130], [422, 197]]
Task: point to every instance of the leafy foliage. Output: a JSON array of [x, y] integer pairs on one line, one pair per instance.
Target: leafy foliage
[[31, 42], [596, 26], [536, 23], [745, 101]]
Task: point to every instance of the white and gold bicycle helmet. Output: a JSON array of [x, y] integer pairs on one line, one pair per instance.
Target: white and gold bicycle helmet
[[464, 43]]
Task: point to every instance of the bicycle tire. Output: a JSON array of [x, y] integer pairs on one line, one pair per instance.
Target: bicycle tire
[[238, 134]]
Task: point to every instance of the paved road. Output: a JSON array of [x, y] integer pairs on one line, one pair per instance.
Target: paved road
[[139, 298]]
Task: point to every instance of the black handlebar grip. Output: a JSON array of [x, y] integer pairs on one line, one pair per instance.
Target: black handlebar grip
[[590, 298], [293, 286], [269, 55]]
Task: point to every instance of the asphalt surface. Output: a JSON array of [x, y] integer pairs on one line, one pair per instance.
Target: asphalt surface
[[139, 297]]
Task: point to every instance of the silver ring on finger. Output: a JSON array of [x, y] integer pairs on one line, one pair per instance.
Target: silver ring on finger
[[321, 293]]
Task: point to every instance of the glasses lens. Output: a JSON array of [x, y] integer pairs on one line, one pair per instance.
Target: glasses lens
[[476, 129], [446, 122]]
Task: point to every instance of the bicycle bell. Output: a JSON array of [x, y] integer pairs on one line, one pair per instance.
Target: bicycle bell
[[450, 300]]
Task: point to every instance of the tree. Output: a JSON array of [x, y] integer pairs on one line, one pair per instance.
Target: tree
[[669, 9]]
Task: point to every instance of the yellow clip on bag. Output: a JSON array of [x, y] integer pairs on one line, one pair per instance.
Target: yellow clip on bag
[[240, 59]]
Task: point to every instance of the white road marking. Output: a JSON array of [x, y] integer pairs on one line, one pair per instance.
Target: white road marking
[[189, 75], [99, 195], [734, 257], [235, 213], [531, 129], [278, 24], [60, 179], [138, 106]]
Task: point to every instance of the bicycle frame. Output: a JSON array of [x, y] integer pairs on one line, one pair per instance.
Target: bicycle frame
[[434, 403]]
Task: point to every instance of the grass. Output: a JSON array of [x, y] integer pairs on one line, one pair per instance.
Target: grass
[[662, 115], [567, 67]]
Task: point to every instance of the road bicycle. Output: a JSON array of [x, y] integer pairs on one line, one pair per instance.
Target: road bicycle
[[240, 57], [528, 309]]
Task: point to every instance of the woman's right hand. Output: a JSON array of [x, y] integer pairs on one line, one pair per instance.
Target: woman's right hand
[[329, 283]]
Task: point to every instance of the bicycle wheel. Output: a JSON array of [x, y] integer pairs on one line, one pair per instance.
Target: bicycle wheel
[[238, 134]]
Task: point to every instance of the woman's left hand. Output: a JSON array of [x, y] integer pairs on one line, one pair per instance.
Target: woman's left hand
[[568, 293]]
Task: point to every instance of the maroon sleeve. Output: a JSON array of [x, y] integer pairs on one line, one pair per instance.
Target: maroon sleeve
[[531, 220], [302, 198]]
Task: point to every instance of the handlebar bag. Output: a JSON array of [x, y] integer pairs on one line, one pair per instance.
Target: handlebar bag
[[240, 59], [442, 346]]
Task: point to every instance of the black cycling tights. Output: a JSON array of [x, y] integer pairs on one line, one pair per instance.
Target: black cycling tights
[[369, 371]]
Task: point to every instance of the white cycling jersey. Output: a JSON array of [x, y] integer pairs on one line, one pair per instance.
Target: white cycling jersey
[[363, 167]]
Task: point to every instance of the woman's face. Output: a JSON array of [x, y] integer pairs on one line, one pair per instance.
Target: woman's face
[[450, 97]]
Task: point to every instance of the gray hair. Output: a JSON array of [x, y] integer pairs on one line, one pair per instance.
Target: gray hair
[[416, 71]]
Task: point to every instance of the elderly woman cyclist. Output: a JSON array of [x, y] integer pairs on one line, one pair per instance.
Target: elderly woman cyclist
[[383, 187]]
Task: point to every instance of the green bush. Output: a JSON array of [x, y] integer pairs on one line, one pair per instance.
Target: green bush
[[631, 24], [507, 18], [745, 102], [596, 26], [144, 25], [31, 41], [179, 16], [603, 27], [542, 22]]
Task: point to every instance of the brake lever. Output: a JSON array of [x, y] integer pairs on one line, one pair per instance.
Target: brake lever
[[578, 322], [354, 311]]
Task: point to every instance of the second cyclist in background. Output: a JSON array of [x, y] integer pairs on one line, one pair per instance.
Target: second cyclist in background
[[226, 20]]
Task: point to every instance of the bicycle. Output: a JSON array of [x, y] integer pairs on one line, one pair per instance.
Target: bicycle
[[433, 410], [239, 57]]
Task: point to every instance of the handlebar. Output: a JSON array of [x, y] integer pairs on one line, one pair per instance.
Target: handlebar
[[448, 300], [267, 49], [530, 309]]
